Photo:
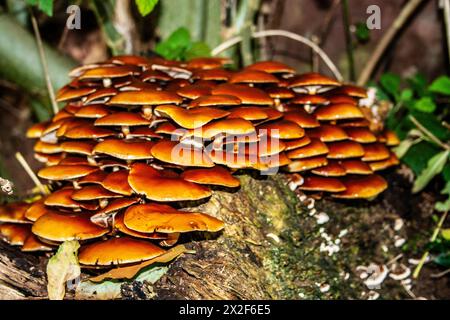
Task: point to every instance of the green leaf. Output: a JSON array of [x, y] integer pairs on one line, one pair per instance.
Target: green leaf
[[443, 259], [425, 104], [43, 5], [419, 84], [445, 233], [418, 155], [391, 83], [432, 124], [406, 94], [404, 146], [362, 32], [175, 45], [146, 6], [434, 167], [446, 172], [441, 85], [442, 206], [198, 49]]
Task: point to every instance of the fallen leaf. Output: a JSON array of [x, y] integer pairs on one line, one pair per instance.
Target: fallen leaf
[[62, 267], [131, 271]]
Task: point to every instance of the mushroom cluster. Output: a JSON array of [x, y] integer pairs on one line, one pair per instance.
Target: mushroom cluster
[[139, 139]]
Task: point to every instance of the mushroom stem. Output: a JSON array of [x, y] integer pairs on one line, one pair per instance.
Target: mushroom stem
[[103, 203], [147, 112], [107, 82], [30, 172], [125, 130]]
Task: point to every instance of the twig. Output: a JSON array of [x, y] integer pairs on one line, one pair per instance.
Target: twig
[[348, 39], [282, 33], [51, 92], [433, 237], [428, 133], [30, 172], [440, 274], [386, 40]]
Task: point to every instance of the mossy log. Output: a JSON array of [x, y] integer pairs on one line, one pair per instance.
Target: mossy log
[[270, 249]]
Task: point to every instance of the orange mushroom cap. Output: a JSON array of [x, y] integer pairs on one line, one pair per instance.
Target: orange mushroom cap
[[216, 175], [146, 180], [179, 154], [117, 251], [162, 218], [65, 227], [362, 187]]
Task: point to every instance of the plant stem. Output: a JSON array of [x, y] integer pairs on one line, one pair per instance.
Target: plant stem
[[433, 237], [48, 81], [282, 33], [428, 133], [386, 40], [348, 39], [30, 172]]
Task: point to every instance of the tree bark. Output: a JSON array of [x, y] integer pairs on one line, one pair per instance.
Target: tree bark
[[270, 249]]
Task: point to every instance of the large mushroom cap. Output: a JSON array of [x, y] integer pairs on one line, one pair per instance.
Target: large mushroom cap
[[33, 244], [65, 172], [270, 67], [14, 234], [253, 76], [236, 126], [92, 111], [217, 175], [328, 133], [116, 251], [314, 148], [144, 97], [312, 83], [179, 154], [162, 218], [302, 118], [375, 152], [104, 72], [307, 164], [64, 227], [117, 182], [64, 198], [146, 180], [122, 119], [192, 118], [94, 192], [344, 150], [282, 129], [125, 149], [362, 187], [339, 111], [314, 183], [215, 100], [246, 94], [14, 212]]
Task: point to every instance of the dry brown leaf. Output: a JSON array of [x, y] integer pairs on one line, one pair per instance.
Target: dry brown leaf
[[62, 267], [130, 271]]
